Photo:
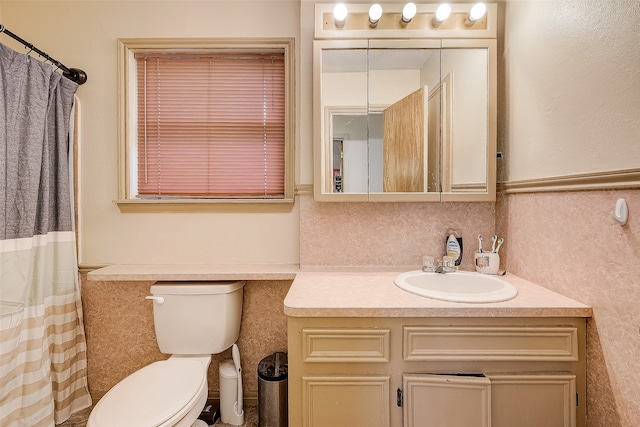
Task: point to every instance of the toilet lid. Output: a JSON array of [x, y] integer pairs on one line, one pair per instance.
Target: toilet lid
[[152, 395]]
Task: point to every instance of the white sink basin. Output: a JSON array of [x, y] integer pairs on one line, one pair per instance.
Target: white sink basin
[[459, 286]]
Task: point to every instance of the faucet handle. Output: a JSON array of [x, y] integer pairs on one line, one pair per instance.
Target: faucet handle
[[449, 263], [428, 264]]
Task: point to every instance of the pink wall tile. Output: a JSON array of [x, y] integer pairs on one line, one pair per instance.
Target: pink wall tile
[[386, 234], [568, 242], [121, 337]]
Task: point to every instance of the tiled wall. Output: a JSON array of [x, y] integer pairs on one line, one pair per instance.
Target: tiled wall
[[568, 242], [121, 339], [386, 234]]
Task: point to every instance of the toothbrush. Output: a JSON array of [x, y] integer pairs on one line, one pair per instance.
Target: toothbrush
[[493, 239], [480, 243], [500, 241]]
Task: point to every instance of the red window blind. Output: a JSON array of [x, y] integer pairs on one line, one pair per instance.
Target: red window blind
[[211, 125]]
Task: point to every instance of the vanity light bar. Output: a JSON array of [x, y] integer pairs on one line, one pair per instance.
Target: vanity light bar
[[433, 16]]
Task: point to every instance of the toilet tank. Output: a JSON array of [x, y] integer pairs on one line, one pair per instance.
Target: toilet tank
[[197, 317]]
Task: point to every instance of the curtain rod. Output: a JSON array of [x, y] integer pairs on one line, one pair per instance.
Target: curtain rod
[[75, 74]]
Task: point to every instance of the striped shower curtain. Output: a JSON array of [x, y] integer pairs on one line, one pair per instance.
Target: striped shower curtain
[[42, 346]]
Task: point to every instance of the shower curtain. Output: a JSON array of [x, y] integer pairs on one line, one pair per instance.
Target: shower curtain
[[43, 359]]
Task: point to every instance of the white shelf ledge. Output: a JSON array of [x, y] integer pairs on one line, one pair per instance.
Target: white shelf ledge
[[185, 272]]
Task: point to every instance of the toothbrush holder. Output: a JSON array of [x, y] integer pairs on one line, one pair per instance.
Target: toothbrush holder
[[487, 262]]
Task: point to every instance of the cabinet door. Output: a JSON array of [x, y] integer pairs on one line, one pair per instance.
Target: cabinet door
[[446, 400], [533, 400], [345, 401]]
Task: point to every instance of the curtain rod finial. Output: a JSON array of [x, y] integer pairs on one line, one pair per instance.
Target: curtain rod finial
[[77, 75]]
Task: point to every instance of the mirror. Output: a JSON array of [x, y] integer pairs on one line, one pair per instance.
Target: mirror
[[405, 120]]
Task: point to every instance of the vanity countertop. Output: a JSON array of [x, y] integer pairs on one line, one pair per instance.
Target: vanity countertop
[[354, 293], [373, 294]]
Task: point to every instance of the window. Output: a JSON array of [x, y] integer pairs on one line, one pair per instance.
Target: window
[[207, 124]]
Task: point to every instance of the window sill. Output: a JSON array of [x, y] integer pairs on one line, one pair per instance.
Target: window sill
[[208, 205]]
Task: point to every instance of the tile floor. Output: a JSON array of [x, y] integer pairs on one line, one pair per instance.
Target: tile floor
[[79, 419]]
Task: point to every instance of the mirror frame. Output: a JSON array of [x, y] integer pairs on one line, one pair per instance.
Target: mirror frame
[[322, 166], [332, 38], [492, 120]]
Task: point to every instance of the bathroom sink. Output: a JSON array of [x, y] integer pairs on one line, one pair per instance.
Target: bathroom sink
[[459, 286]]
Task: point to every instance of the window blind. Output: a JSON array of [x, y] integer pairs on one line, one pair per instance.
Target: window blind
[[211, 125]]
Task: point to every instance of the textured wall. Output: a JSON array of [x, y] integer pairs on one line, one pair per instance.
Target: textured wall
[[570, 92], [568, 242], [571, 87], [386, 234], [121, 339]]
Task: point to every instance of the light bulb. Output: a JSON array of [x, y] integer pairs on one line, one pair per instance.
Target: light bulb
[[375, 12], [477, 11], [408, 12], [443, 12], [340, 14]]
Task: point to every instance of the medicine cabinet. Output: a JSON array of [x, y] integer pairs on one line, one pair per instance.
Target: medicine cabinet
[[406, 111]]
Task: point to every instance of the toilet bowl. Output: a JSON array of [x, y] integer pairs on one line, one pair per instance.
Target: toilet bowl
[[174, 391], [192, 321]]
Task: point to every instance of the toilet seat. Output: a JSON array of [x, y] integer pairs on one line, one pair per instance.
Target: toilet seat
[[159, 394]]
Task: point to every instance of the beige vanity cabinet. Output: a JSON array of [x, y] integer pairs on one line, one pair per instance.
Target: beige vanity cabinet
[[379, 372]]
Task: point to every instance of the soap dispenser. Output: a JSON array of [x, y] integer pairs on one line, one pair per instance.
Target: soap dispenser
[[453, 246]]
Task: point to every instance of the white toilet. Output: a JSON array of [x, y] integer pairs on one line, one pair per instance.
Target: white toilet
[[193, 320]]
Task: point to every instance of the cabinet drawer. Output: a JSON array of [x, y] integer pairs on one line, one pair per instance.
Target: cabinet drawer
[[504, 343], [345, 345]]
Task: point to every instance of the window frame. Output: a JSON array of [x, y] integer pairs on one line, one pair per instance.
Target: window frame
[[127, 126]]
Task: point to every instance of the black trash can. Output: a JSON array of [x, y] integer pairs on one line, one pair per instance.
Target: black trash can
[[272, 391]]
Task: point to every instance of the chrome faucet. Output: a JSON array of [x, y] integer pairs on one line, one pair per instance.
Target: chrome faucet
[[448, 265], [430, 265]]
